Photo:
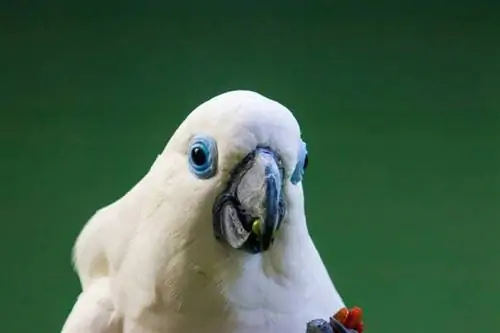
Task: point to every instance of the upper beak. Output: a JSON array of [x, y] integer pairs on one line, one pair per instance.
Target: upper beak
[[249, 212], [271, 204]]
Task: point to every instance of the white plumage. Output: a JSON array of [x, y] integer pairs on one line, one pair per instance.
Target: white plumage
[[149, 262]]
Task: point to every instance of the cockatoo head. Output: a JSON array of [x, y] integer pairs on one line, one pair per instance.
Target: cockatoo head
[[240, 158]]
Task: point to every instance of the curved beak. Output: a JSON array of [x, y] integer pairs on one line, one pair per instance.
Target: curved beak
[[249, 212]]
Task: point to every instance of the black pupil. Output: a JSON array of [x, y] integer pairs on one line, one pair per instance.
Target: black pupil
[[306, 162], [198, 156]]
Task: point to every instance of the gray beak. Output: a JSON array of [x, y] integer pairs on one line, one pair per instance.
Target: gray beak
[[249, 212]]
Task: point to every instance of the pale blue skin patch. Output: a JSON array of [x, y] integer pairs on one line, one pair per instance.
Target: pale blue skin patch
[[209, 147], [298, 173]]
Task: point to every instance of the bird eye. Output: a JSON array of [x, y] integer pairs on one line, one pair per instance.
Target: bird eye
[[202, 156], [301, 166]]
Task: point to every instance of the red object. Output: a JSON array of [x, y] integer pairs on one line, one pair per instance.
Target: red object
[[351, 318]]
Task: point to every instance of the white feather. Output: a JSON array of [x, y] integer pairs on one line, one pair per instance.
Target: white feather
[[94, 311], [155, 245]]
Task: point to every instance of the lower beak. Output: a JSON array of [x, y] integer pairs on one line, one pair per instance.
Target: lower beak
[[249, 212]]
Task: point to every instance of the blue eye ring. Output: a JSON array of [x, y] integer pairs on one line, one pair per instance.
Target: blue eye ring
[[203, 156], [301, 166]]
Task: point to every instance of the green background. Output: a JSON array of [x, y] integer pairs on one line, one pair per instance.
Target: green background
[[399, 105]]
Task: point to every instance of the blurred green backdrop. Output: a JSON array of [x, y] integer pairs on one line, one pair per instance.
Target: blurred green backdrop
[[399, 105]]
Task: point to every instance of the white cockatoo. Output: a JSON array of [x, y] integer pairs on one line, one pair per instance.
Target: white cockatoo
[[213, 238]]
